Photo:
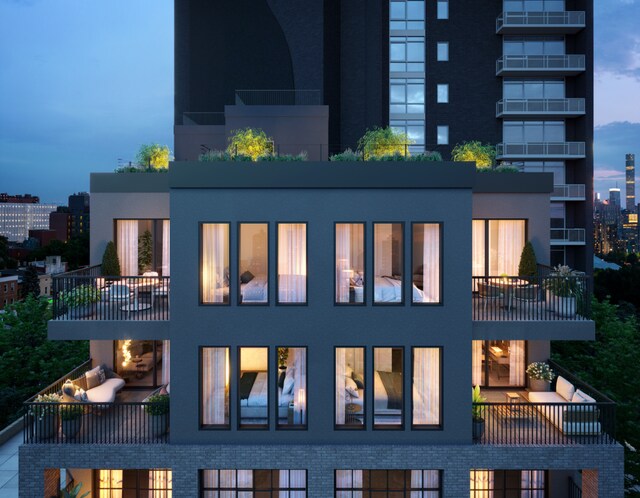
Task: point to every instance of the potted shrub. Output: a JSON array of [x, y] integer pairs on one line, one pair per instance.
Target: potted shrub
[[71, 417], [540, 376], [81, 299], [157, 408], [562, 289], [110, 261], [45, 415], [528, 266], [477, 413]]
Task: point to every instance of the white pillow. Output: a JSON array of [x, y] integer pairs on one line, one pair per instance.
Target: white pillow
[[351, 387], [565, 388], [577, 398], [287, 387], [585, 396]]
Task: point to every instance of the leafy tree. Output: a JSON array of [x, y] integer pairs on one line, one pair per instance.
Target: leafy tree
[[380, 142], [528, 264], [483, 155], [28, 361], [110, 261], [145, 251], [153, 156], [250, 142], [30, 282]]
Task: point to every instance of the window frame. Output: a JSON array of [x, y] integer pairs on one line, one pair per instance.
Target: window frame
[[368, 490], [364, 255], [239, 425], [297, 427], [403, 263], [387, 427], [201, 260], [239, 249], [273, 492], [277, 258], [441, 261], [345, 426], [487, 247], [440, 425], [212, 427]]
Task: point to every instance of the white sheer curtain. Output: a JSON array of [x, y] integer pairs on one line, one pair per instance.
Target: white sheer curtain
[[426, 386], [382, 359], [166, 362], [215, 258], [343, 262], [166, 248], [215, 376], [349, 479], [424, 479], [482, 483], [110, 483], [127, 245], [299, 385], [288, 479], [516, 363], [506, 240], [292, 262], [476, 363], [341, 370], [245, 479], [430, 264], [532, 484], [160, 483], [478, 249]]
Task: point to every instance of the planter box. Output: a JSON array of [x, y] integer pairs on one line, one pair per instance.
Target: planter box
[[70, 428], [539, 385], [158, 425], [45, 427]]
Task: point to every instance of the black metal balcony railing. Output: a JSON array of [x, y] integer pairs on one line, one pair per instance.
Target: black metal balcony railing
[[574, 191], [531, 298], [90, 423], [85, 295], [550, 423], [551, 150]]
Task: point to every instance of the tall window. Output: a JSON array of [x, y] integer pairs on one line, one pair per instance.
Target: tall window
[[253, 263], [388, 483], [142, 363], [215, 263], [498, 363], [387, 387], [406, 14], [533, 89], [215, 387], [253, 387], [426, 387], [143, 246], [426, 263], [507, 483], [292, 388], [533, 131], [443, 9], [262, 483], [292, 263], [407, 54], [406, 96], [350, 388], [350, 277], [497, 246], [388, 263], [135, 483], [533, 45]]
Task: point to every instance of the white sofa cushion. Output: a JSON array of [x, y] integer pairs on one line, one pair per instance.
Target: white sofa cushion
[[565, 388], [545, 397], [585, 396], [106, 392]]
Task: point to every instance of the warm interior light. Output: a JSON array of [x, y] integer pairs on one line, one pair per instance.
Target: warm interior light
[[302, 398], [126, 353], [226, 369]]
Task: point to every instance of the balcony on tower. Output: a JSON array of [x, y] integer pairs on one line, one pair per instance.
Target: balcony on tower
[[561, 22], [540, 108], [539, 65]]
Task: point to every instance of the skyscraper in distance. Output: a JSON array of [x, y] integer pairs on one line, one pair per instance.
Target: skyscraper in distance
[[630, 179]]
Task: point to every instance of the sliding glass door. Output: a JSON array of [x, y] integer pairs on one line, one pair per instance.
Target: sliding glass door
[[143, 246], [142, 363], [497, 246], [499, 363]]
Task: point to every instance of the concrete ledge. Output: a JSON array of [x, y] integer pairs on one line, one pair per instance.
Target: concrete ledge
[[11, 430], [129, 182], [513, 183]]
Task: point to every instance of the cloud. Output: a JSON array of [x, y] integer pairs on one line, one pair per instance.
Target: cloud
[[617, 37], [616, 98]]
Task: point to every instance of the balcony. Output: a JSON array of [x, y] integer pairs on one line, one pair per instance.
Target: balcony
[[563, 22], [521, 422], [541, 150], [87, 295], [124, 421], [539, 298], [571, 192], [540, 108], [540, 65], [568, 236]]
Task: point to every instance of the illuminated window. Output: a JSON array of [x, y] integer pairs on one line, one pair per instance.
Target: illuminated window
[[292, 387], [253, 386], [260, 483], [215, 388], [350, 388], [350, 275], [388, 387], [387, 483], [215, 263], [253, 264]]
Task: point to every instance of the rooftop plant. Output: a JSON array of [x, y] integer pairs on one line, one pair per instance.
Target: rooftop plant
[[482, 154], [540, 370], [528, 265], [157, 404], [347, 155], [252, 142], [153, 156], [110, 261], [379, 142], [80, 295]]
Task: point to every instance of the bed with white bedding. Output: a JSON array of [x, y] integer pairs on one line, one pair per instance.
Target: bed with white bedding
[[255, 291], [389, 290], [254, 396]]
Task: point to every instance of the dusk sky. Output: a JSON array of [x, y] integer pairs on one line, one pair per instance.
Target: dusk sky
[[84, 83]]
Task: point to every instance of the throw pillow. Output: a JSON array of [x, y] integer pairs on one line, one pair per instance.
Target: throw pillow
[[163, 390], [351, 387], [358, 379], [80, 395], [585, 396], [287, 387], [281, 378], [246, 277], [92, 380], [565, 388], [81, 382], [577, 398], [102, 376]]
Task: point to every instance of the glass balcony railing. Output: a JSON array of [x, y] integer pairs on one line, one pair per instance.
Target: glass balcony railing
[[540, 107], [540, 64], [540, 150], [555, 22], [568, 236], [572, 192]]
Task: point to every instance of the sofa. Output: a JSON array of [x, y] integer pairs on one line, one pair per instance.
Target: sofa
[[579, 418], [98, 385]]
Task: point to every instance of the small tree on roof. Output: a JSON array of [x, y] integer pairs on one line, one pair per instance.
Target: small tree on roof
[[251, 142], [379, 142], [110, 261], [483, 155]]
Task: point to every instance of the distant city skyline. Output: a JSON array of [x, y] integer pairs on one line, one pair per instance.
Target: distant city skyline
[[85, 84]]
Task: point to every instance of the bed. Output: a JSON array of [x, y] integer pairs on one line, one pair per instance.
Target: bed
[[389, 290], [256, 290], [254, 397]]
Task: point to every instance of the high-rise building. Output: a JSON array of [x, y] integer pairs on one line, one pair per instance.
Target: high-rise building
[[319, 325], [17, 218], [630, 181], [80, 211]]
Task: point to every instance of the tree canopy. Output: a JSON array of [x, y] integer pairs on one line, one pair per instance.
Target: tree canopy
[[483, 155], [250, 142], [154, 156], [380, 142]]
